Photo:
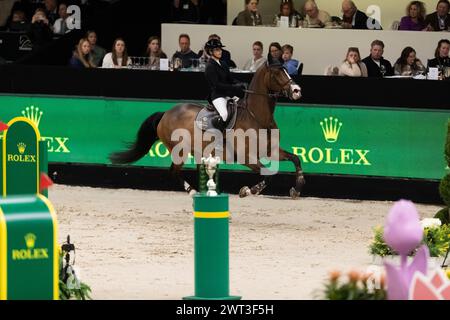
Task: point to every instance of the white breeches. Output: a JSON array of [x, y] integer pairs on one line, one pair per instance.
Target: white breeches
[[221, 106]]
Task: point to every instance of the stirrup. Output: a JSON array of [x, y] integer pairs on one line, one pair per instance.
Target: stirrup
[[218, 123]]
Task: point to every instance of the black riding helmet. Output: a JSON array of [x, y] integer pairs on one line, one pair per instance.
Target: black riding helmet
[[213, 44]]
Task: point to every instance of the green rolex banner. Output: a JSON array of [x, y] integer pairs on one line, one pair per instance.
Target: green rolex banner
[[23, 157], [29, 254], [328, 139]]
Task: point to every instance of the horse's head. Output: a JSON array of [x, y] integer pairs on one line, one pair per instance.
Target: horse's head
[[278, 80]]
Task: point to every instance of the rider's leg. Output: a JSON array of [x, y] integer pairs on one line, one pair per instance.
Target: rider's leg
[[221, 106]]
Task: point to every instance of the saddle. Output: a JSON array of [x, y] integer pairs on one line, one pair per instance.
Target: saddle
[[204, 119]]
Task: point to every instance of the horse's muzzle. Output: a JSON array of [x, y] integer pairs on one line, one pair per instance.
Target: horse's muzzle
[[296, 92]]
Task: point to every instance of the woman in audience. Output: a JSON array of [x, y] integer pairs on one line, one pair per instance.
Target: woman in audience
[[352, 65], [250, 16], [81, 57], [275, 53], [287, 10], [118, 57], [441, 59], [415, 17], [97, 52], [258, 60], [408, 64], [154, 52]]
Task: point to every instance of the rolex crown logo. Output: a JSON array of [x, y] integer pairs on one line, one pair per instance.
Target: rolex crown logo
[[30, 240], [34, 114], [331, 128], [21, 147]]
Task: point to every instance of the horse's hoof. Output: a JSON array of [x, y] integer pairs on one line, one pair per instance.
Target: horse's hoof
[[294, 193], [244, 192], [192, 193]]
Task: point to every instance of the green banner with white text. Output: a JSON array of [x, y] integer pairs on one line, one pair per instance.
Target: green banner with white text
[[407, 143]]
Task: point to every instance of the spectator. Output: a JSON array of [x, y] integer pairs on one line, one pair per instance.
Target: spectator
[[408, 64], [290, 64], [81, 57], [352, 65], [118, 57], [250, 16], [186, 55], [376, 65], [287, 10], [258, 60], [275, 53], [97, 52], [314, 16], [353, 18], [213, 12], [40, 32], [18, 22], [60, 25], [441, 59], [186, 11], [51, 10], [154, 52], [226, 55], [415, 17], [439, 20]]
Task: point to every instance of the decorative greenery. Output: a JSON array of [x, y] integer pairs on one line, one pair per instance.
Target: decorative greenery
[[378, 247], [80, 291], [444, 187], [436, 238], [354, 287], [444, 216]]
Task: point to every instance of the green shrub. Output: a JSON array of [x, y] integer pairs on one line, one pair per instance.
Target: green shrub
[[444, 216], [444, 189]]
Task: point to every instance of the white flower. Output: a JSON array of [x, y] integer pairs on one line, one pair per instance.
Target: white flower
[[430, 223]]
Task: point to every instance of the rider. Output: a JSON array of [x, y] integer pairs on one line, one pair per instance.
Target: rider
[[221, 83]]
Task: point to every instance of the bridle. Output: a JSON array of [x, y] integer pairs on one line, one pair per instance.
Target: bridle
[[275, 95]]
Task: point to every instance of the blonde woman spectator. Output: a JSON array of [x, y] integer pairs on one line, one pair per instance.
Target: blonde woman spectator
[[81, 57], [154, 52], [352, 65], [118, 57], [250, 16], [314, 16], [408, 64], [97, 52], [258, 60]]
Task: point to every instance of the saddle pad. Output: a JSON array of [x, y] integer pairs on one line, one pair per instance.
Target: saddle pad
[[204, 118]]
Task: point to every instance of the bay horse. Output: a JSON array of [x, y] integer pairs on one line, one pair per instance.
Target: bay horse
[[257, 112]]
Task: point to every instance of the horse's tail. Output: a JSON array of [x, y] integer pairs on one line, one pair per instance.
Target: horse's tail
[[146, 137]]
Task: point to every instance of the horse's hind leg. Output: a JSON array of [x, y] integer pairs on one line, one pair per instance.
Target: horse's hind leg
[[299, 178], [258, 188], [175, 170]]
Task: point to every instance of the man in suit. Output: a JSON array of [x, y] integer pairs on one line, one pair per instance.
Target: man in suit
[[353, 18], [221, 83], [439, 20], [376, 65]]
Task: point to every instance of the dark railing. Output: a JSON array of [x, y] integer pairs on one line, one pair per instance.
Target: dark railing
[[146, 84]]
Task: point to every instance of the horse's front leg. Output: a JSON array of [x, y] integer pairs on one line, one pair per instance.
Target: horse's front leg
[[299, 178], [259, 187]]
